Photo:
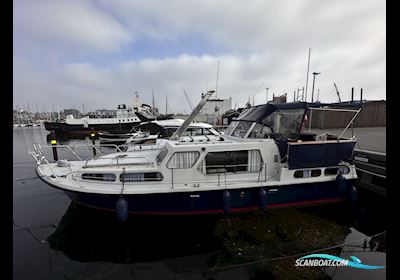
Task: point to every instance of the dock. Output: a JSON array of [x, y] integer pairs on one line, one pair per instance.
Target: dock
[[371, 170], [369, 156]]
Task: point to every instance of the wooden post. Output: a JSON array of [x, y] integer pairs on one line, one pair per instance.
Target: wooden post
[[93, 136], [352, 94], [53, 142]]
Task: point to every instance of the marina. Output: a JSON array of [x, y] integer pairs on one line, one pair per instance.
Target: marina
[[77, 242], [219, 244], [201, 140]]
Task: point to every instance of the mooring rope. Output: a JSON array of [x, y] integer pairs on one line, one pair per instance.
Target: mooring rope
[[216, 268]]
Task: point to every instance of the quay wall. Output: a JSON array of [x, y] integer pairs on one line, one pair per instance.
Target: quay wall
[[373, 114]]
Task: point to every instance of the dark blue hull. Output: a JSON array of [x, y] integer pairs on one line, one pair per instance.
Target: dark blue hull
[[203, 202]]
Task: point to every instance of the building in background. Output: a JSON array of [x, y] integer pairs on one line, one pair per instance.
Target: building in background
[[279, 99], [214, 109]]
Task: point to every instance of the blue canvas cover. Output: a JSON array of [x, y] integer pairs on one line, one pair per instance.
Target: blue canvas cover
[[319, 154]]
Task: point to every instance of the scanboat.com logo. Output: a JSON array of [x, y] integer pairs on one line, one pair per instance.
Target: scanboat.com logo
[[329, 260]]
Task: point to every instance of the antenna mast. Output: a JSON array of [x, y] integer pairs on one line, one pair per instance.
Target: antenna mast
[[308, 70], [216, 87], [188, 100], [337, 92]]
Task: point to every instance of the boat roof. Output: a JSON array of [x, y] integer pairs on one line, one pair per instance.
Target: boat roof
[[179, 122], [260, 112]]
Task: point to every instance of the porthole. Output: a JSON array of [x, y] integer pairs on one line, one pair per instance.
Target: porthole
[[109, 177], [307, 173]]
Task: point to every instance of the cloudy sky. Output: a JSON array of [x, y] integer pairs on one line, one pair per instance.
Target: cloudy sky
[[98, 53]]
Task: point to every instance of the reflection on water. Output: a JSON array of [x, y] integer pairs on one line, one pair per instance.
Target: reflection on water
[[57, 239], [86, 234], [214, 243]]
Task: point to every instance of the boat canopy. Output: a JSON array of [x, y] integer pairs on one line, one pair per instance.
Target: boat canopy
[[269, 121], [259, 113]]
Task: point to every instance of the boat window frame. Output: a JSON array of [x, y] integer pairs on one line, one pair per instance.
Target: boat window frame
[[204, 172], [232, 126], [313, 173], [197, 159], [144, 177], [339, 170], [99, 178], [161, 155]]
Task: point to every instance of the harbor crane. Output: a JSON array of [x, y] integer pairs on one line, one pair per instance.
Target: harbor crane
[[337, 92], [190, 103]]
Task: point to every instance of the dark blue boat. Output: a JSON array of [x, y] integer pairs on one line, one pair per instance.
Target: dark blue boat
[[264, 160]]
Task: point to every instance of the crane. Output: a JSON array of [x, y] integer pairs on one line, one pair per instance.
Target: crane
[[190, 103], [337, 92]]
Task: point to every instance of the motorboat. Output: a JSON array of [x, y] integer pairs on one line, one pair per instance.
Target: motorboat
[[112, 126], [123, 121], [148, 132], [263, 160]]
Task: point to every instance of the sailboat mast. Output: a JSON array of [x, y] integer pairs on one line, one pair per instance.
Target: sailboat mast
[[308, 70]]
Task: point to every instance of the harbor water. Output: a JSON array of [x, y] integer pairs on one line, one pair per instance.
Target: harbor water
[[53, 238]]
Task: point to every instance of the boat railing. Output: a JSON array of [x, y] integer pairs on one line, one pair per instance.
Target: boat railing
[[350, 123], [221, 170], [87, 151], [259, 170]]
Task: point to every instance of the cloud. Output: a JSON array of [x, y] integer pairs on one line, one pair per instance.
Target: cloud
[[88, 52], [69, 25]]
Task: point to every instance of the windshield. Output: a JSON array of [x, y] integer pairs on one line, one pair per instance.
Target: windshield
[[279, 124], [241, 129], [285, 123], [161, 155]]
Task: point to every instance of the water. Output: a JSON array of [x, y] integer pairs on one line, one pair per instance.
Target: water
[[56, 239]]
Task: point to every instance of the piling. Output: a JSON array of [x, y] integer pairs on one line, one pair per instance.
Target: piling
[[352, 94], [93, 136], [53, 142]]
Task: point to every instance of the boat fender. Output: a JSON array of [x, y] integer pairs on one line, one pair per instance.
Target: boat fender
[[353, 195], [226, 201], [341, 181], [263, 199], [122, 209]]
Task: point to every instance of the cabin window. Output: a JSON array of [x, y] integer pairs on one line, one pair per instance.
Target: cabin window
[[335, 170], [161, 155], [260, 131], [241, 129], [307, 173], [183, 159], [99, 176], [285, 123], [231, 128], [141, 177], [196, 131], [206, 131], [213, 131], [232, 161]]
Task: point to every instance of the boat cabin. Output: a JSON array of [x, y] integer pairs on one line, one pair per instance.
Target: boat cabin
[[284, 123]]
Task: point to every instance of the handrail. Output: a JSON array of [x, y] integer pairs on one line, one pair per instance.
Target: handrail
[[235, 165], [332, 109], [74, 153], [73, 175], [351, 121]]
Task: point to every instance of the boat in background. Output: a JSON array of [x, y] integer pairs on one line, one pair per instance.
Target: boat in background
[[263, 161], [124, 120], [148, 132]]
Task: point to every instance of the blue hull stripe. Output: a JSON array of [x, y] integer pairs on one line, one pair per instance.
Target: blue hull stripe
[[212, 202]]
